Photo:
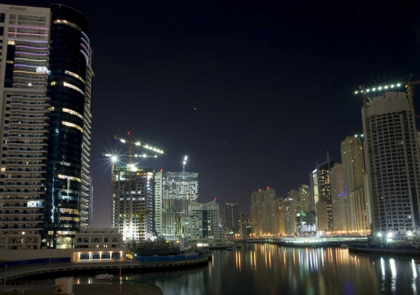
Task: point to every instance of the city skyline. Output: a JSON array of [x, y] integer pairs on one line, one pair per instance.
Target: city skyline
[[210, 85]]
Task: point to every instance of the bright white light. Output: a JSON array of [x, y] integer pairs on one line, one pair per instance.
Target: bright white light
[[373, 89], [184, 163], [356, 92], [399, 84], [122, 140], [367, 90], [137, 143], [409, 233], [30, 84], [355, 135], [380, 235], [155, 156], [379, 88], [108, 155], [388, 240], [361, 135], [114, 159], [144, 155], [386, 87], [392, 85], [389, 235], [185, 158]]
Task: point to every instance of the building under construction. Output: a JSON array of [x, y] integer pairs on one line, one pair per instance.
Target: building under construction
[[133, 202]]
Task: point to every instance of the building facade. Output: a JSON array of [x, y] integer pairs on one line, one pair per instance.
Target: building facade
[[243, 224], [261, 212], [291, 209], [324, 187], [232, 224], [175, 190], [354, 176], [305, 197], [392, 162], [133, 203], [24, 108], [314, 188], [204, 221], [339, 198], [99, 238]]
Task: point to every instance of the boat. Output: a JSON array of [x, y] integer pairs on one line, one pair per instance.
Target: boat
[[344, 246], [104, 276]]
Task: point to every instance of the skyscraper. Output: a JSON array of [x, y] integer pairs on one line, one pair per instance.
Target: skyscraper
[[324, 187], [291, 208], [339, 198], [313, 183], [261, 213], [392, 161], [133, 203], [354, 178], [24, 105], [69, 129], [175, 190], [243, 224], [305, 197], [232, 226], [45, 106]]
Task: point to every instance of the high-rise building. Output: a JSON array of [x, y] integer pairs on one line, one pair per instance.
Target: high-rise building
[[24, 111], [313, 182], [204, 221], [305, 197], [243, 224], [392, 162], [354, 178], [291, 209], [322, 216], [45, 101], [175, 190], [69, 126], [261, 212], [232, 226], [133, 203], [90, 202], [324, 187], [306, 222], [294, 194], [339, 198], [158, 202]]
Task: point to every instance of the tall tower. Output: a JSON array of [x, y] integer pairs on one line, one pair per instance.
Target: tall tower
[[305, 197], [232, 218], [339, 198], [392, 161], [69, 88], [24, 107], [324, 187], [354, 178]]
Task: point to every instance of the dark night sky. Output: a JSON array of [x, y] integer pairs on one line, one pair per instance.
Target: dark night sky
[[272, 85]]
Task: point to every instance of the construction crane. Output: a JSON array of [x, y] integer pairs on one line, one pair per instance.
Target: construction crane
[[131, 144]]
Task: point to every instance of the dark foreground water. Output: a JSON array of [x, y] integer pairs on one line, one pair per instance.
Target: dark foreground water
[[268, 269]]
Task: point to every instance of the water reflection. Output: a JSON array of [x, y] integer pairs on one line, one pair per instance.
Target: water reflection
[[268, 269]]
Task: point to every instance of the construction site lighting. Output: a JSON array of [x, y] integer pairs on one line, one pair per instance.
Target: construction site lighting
[[389, 235], [137, 143], [185, 158], [122, 140], [108, 155], [114, 159]]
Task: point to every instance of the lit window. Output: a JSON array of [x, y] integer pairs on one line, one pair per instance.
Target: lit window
[[68, 124], [51, 109], [74, 75], [11, 42], [52, 83], [72, 112], [73, 87], [70, 24], [61, 176]]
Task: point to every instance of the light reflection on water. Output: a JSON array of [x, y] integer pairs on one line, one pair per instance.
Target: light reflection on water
[[268, 269]]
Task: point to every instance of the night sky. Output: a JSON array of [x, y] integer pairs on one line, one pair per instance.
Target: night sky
[[253, 94]]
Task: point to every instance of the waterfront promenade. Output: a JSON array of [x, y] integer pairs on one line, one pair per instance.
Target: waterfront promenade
[[19, 272]]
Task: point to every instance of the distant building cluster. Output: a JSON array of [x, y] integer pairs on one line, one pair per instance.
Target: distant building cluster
[[375, 188]]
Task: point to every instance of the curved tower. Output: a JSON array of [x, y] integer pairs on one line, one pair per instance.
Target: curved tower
[[69, 90]]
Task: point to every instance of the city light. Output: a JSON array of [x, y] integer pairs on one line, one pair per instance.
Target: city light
[[379, 235], [389, 235], [379, 88], [114, 159], [409, 233], [123, 140]]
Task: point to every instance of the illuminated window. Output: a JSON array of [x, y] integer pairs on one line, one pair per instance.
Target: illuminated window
[[70, 24], [72, 112], [61, 176], [52, 83], [68, 124], [74, 75], [73, 87], [51, 109], [11, 42]]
